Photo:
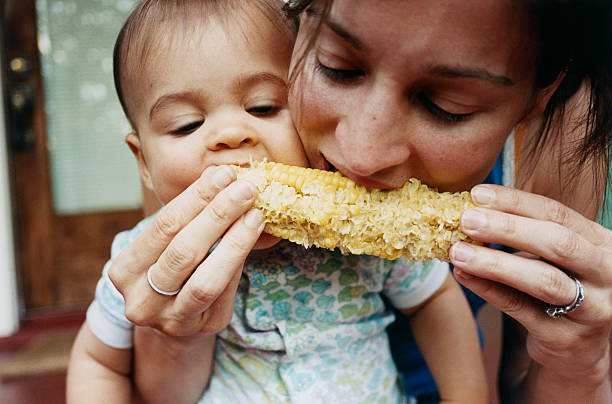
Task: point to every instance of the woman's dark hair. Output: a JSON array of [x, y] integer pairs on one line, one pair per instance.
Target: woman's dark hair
[[575, 40]]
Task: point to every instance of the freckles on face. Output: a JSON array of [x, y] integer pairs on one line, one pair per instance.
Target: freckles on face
[[307, 101], [450, 80], [458, 166]]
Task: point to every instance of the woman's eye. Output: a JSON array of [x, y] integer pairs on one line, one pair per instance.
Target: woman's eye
[[187, 129], [339, 74], [441, 114], [263, 110]]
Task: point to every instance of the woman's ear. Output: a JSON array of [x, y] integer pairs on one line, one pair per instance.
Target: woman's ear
[[542, 97], [133, 141]]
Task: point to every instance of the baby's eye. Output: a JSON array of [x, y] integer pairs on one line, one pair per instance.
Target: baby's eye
[[187, 129], [263, 110], [339, 74]]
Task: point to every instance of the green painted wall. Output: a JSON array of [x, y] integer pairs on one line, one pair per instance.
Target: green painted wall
[[605, 216]]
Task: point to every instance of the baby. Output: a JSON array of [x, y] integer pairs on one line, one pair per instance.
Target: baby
[[204, 83]]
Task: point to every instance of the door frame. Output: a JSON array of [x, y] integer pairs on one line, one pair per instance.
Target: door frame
[[9, 296]]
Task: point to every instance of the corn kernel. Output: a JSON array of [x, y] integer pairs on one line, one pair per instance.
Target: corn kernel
[[414, 221]]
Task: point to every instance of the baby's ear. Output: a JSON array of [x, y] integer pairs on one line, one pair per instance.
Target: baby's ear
[[133, 141]]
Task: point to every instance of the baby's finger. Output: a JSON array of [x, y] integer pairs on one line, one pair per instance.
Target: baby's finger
[[531, 276], [154, 239], [548, 240], [191, 244], [526, 204], [220, 272]]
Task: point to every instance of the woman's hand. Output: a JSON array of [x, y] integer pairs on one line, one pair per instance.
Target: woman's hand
[[571, 353], [175, 246]]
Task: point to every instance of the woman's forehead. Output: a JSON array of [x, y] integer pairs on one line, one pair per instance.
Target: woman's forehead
[[490, 32], [390, 11]]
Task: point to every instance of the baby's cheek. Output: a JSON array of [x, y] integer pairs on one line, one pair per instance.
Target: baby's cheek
[[172, 181]]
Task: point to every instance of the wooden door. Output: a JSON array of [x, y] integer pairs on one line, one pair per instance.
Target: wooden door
[[59, 256]]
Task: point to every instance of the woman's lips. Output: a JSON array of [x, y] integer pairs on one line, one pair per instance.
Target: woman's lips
[[358, 179]]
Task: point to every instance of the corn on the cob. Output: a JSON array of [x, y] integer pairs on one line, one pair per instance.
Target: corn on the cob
[[323, 208]]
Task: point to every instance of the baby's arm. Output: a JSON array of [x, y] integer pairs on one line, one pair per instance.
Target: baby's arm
[[446, 333], [171, 369], [98, 373]]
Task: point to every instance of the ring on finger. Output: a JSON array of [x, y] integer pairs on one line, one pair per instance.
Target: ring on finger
[[558, 311], [157, 289]]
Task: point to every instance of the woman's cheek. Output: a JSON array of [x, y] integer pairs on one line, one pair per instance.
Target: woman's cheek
[[312, 105], [459, 163]]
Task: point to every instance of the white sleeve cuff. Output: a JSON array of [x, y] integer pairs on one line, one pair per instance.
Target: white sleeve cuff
[[429, 285], [107, 330]]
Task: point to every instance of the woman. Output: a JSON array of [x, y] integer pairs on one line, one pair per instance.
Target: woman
[[388, 90], [460, 82]]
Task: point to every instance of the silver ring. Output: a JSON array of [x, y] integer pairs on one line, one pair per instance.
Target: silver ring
[[158, 290], [558, 311]]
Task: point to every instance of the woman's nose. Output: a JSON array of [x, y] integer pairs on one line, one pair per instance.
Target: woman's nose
[[231, 131], [372, 134]]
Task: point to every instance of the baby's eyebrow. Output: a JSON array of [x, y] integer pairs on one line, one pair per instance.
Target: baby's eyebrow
[[249, 80], [166, 99], [244, 82]]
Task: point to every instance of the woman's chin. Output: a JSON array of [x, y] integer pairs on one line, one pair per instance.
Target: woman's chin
[[266, 241]]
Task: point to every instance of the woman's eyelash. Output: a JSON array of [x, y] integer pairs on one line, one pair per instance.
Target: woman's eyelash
[[338, 74], [351, 74], [187, 129], [440, 113]]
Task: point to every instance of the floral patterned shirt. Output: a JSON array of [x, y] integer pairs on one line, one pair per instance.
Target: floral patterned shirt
[[308, 325]]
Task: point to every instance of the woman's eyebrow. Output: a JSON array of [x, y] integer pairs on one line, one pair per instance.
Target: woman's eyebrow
[[441, 70], [338, 29], [446, 71], [344, 34], [471, 73]]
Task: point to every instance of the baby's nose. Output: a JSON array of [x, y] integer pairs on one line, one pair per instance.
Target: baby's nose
[[232, 135], [232, 140]]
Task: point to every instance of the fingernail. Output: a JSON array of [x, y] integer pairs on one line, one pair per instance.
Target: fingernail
[[242, 191], [483, 195], [473, 220], [208, 170], [253, 218], [222, 177], [462, 252]]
